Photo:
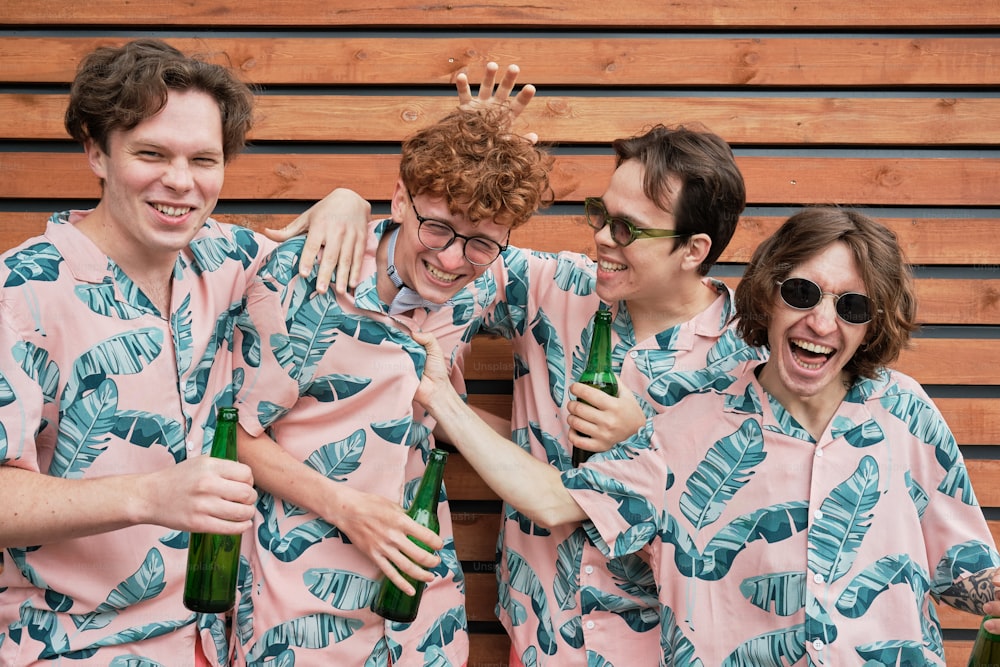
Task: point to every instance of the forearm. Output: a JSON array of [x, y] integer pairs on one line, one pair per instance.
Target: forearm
[[972, 593], [283, 476], [530, 485], [39, 509]]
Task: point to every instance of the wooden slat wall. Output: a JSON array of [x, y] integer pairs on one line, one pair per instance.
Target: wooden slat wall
[[892, 107]]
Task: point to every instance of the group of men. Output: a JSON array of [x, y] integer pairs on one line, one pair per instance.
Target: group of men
[[761, 470]]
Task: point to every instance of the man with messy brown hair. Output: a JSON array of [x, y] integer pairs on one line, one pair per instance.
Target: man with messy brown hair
[[344, 447]]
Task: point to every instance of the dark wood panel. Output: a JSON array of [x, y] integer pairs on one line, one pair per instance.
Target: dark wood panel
[[770, 180], [466, 13], [493, 650], [566, 120]]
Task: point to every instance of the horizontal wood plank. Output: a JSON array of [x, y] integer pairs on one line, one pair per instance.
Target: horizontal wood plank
[[719, 60], [930, 360], [973, 301], [973, 421], [779, 121], [769, 180], [926, 241], [558, 14], [493, 650]]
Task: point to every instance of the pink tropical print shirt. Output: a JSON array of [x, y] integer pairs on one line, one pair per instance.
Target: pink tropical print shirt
[[95, 381], [561, 600], [335, 388], [770, 547]]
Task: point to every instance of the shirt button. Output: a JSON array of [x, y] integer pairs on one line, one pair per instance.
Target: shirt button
[[190, 446], [818, 644], [633, 354], [819, 453], [590, 625], [818, 578], [589, 569], [818, 514]]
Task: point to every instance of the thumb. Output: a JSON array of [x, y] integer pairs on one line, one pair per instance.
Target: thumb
[[294, 228]]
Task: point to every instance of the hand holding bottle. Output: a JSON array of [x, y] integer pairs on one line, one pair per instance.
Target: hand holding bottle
[[390, 601], [598, 422], [214, 559], [383, 531], [200, 495]]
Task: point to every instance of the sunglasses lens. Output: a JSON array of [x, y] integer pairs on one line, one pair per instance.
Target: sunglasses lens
[[804, 294], [595, 213], [620, 232], [801, 293], [854, 308]]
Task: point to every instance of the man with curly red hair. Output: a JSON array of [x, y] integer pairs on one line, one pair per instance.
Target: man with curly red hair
[[335, 388]]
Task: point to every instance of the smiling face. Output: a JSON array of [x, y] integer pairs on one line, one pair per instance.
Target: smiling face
[[437, 275], [161, 180], [637, 272], [810, 348]]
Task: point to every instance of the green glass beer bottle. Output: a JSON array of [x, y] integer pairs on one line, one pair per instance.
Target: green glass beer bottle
[[213, 560], [390, 602], [598, 373], [986, 650]]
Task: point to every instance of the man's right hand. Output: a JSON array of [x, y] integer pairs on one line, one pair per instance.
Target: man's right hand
[[500, 95]]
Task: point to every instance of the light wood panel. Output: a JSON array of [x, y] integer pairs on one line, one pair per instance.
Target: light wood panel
[[926, 241], [769, 180], [718, 60], [556, 14], [778, 121], [930, 360]]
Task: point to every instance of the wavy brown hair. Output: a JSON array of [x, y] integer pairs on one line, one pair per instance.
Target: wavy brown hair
[[712, 192], [116, 88], [473, 160], [884, 271]]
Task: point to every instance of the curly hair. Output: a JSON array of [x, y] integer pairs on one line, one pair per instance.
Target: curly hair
[[713, 194], [884, 271], [473, 160], [116, 88]]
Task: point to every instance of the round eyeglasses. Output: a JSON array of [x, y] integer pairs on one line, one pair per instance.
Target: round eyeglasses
[[803, 294], [438, 235], [623, 231]]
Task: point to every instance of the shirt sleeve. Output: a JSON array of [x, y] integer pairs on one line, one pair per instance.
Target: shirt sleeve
[[956, 537], [262, 345], [622, 492], [28, 423]]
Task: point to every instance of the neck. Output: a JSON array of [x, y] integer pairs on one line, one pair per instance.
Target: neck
[[151, 272], [813, 413], [680, 304]]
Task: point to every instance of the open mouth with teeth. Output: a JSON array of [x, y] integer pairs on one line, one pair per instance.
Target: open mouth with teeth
[[810, 355], [441, 275], [605, 265], [172, 211]]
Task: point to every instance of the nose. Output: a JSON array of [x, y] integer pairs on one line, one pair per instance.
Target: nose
[[453, 256], [824, 316], [602, 236], [178, 176]]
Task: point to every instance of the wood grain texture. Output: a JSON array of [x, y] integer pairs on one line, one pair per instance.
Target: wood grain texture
[[769, 180], [775, 121], [719, 60], [553, 14]]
